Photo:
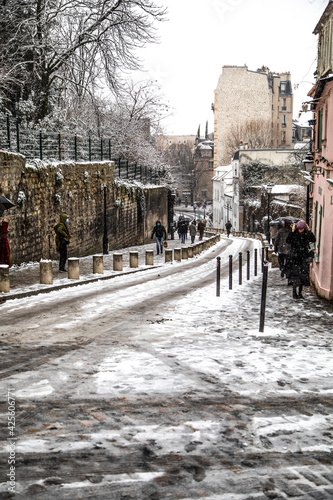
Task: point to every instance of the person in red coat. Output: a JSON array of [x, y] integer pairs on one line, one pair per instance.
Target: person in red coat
[[4, 243]]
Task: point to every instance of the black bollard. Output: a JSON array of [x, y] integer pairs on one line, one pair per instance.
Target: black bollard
[[256, 262], [240, 264], [218, 276], [230, 272], [263, 298], [262, 259], [248, 265]]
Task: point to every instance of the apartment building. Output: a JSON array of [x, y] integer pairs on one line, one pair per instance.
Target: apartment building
[[258, 97]]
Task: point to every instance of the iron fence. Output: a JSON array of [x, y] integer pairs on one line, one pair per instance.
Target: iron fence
[[63, 146]]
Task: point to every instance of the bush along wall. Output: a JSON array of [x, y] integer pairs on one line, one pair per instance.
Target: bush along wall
[[44, 190]]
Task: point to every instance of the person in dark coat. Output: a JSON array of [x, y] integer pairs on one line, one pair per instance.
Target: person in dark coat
[[283, 249], [201, 229], [228, 227], [193, 231], [299, 238], [182, 229], [62, 240], [4, 243], [159, 232]]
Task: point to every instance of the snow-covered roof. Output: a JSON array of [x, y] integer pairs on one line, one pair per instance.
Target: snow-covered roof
[[223, 173], [302, 145], [203, 146], [284, 188]]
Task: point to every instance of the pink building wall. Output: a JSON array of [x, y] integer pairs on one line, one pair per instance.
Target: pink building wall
[[322, 219]]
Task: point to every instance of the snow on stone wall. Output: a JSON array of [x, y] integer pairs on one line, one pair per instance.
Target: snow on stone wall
[[79, 192]]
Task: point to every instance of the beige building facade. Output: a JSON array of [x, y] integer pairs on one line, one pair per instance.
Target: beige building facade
[[244, 96]]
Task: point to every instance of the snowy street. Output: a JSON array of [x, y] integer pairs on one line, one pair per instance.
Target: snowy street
[[149, 387]]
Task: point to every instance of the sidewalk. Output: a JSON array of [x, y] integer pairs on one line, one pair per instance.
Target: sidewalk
[[25, 279]]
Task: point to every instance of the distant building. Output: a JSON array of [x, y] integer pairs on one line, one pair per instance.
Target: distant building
[[242, 96], [203, 170], [247, 211], [226, 196], [322, 149], [165, 141], [301, 133]]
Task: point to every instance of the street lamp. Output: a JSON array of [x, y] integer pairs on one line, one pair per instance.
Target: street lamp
[[105, 236], [228, 207], [269, 188]]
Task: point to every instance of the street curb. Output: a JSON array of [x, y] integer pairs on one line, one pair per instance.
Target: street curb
[[54, 288]]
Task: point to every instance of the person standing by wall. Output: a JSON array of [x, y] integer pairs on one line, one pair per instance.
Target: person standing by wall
[[62, 240], [4, 243], [159, 232], [299, 238]]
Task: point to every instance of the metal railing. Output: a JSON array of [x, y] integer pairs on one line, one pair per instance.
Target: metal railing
[[62, 146]]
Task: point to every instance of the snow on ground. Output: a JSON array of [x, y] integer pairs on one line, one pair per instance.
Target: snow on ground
[[146, 349]]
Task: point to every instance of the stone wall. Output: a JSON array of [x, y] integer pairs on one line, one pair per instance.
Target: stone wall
[[42, 191]]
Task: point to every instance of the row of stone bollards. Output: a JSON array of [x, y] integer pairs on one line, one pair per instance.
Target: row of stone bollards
[[46, 273]]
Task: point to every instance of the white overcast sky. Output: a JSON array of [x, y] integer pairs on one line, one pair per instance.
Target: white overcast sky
[[203, 35]]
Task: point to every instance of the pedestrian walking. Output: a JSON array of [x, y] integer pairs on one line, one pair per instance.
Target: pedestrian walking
[[182, 228], [228, 227], [62, 239], [193, 231], [4, 243], [300, 238], [201, 229], [159, 232], [283, 249]]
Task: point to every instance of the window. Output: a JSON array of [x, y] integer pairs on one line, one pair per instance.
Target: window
[[283, 87], [283, 137], [284, 121], [284, 104]]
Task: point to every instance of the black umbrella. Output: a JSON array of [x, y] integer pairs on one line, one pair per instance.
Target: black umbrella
[[5, 204], [287, 218]]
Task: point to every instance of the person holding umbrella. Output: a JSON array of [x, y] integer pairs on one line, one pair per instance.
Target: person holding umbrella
[[299, 239], [5, 204]]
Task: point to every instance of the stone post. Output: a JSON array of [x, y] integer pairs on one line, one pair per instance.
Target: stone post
[[168, 255], [73, 268], [134, 259], [98, 264], [275, 260], [149, 257], [4, 278], [117, 261], [190, 252], [177, 253], [45, 272], [184, 252]]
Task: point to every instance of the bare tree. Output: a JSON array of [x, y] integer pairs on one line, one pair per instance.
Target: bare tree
[[254, 133], [51, 45]]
